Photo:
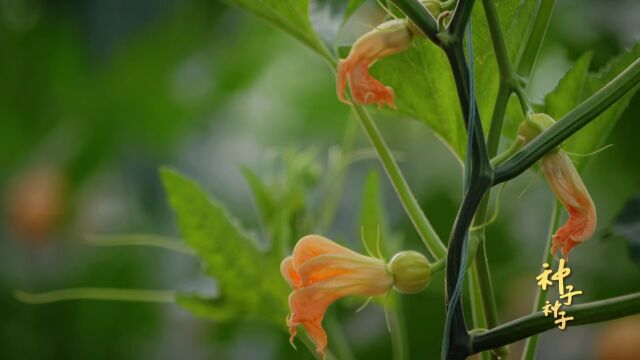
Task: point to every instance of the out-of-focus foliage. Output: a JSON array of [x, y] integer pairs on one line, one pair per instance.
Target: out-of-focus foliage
[[422, 80], [627, 225], [577, 85], [249, 282], [104, 91]]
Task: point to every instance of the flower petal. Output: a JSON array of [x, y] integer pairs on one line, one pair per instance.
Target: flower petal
[[342, 270], [566, 184], [311, 246], [289, 272]]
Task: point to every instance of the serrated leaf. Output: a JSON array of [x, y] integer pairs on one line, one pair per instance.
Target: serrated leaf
[[265, 204], [424, 86], [576, 86], [626, 224], [247, 279], [568, 92], [292, 16]]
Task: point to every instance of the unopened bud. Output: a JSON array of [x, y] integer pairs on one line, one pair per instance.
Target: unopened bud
[[411, 272], [536, 124]]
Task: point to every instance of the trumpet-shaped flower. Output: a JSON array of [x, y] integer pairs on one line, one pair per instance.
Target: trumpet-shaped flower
[[321, 272], [387, 39], [566, 184]]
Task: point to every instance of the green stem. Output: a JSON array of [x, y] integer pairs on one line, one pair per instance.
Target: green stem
[[573, 121], [338, 339], [420, 16], [460, 19], [426, 231], [529, 351], [162, 242], [475, 297], [529, 53], [111, 294], [399, 340], [536, 323], [438, 265], [311, 346], [503, 156], [477, 303], [335, 182]]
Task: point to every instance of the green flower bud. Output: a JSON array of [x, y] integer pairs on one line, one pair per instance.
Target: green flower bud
[[434, 7], [536, 124], [411, 272]]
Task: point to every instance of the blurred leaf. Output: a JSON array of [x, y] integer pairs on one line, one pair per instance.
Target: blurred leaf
[[422, 80], [290, 16], [274, 217], [264, 201], [328, 16], [352, 6], [576, 86], [372, 216], [568, 92], [626, 224], [248, 281], [326, 19]]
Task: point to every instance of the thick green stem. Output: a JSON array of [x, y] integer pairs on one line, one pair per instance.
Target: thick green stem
[[460, 19], [420, 16], [573, 121], [527, 57], [420, 222], [456, 340], [536, 323], [529, 351]]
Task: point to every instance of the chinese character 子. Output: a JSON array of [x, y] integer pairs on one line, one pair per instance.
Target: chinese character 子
[[562, 321], [570, 294]]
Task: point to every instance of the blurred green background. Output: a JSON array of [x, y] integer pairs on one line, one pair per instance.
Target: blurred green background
[[95, 95]]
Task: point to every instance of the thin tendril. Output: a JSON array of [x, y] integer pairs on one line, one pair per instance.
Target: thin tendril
[[591, 153], [109, 294], [364, 305], [496, 210], [364, 242]]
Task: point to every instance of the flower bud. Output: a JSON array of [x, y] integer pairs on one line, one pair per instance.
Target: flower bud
[[536, 124], [411, 272]]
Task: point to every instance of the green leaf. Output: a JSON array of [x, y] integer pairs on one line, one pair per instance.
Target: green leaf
[[274, 217], [248, 281], [576, 86], [422, 80], [626, 224], [265, 204], [568, 92], [372, 216], [292, 16], [352, 6]]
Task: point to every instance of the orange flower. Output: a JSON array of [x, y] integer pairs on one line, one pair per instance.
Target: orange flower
[[568, 187], [320, 272], [387, 39]]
